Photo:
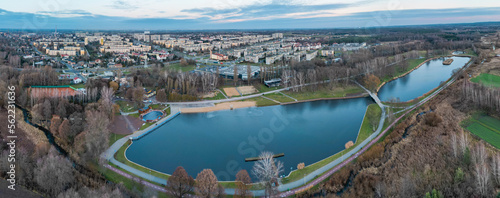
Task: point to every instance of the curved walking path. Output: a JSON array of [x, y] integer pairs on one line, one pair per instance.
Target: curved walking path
[[110, 152]]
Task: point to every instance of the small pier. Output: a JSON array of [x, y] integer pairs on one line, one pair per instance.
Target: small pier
[[251, 159], [448, 61]]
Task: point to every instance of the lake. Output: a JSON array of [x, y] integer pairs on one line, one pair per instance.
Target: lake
[[420, 81], [221, 140]]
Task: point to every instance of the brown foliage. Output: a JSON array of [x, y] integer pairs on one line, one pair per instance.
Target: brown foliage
[[206, 184], [371, 81], [180, 183], [432, 119], [161, 95], [242, 182], [55, 122], [114, 85], [64, 130]]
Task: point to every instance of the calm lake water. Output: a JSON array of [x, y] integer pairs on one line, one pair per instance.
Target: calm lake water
[[221, 140], [422, 80]]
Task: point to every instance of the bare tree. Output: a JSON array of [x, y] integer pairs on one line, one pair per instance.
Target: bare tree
[[481, 169], [464, 142], [64, 130], [235, 74], [495, 168], [53, 173], [267, 169], [180, 183], [454, 144], [242, 184], [249, 73], [97, 134], [161, 95], [482, 178], [206, 184]]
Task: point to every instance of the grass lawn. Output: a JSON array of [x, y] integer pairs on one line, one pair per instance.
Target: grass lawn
[[135, 115], [146, 125], [337, 92], [128, 183], [158, 106], [219, 96], [261, 102], [117, 178], [114, 137], [489, 80], [126, 106], [364, 132], [279, 97], [263, 88], [78, 86], [485, 127], [177, 66]]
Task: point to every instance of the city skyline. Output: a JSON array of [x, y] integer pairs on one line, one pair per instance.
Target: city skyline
[[260, 14]]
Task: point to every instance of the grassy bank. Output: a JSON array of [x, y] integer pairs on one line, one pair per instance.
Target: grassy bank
[[412, 64], [279, 97], [324, 92], [113, 137], [261, 102], [364, 132]]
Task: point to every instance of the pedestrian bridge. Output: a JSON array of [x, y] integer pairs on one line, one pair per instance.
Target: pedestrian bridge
[[373, 95]]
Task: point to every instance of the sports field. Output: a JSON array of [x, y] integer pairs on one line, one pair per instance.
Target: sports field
[[486, 127]]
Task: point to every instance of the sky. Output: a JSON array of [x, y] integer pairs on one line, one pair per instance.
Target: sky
[[239, 14]]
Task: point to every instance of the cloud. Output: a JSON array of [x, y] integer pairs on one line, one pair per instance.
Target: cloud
[[66, 13], [273, 9], [122, 5], [22, 20]]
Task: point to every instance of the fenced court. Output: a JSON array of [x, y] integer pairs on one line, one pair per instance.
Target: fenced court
[[245, 90], [231, 91]]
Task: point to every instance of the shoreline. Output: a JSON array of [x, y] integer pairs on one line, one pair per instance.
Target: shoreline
[[318, 99], [220, 106], [406, 73]]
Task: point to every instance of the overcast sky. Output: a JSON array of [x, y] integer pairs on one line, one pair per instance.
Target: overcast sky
[[246, 14]]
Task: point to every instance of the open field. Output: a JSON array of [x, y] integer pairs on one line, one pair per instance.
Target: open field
[[489, 80], [178, 66], [485, 127], [231, 91]]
